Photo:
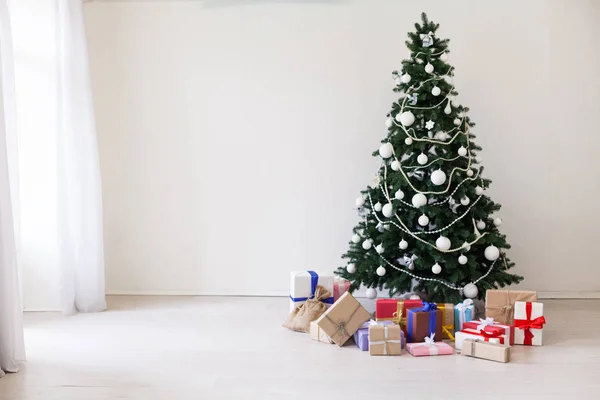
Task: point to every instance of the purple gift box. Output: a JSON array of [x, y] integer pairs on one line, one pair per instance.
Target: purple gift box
[[361, 337]]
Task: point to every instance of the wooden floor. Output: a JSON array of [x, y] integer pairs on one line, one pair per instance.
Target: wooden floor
[[209, 348]]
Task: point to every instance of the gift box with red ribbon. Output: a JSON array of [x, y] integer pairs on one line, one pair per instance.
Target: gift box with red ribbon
[[529, 323], [492, 337], [491, 326]]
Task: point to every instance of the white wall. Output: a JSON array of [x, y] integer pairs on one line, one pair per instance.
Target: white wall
[[235, 138]]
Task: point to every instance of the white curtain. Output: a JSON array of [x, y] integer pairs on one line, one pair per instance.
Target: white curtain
[[81, 246], [12, 348]]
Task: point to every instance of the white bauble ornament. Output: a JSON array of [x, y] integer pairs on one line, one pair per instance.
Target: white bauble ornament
[[491, 253], [457, 121], [480, 224], [367, 244], [443, 243], [379, 248], [422, 159], [414, 297], [389, 122], [419, 200], [403, 244], [469, 172], [399, 194], [465, 201], [438, 177], [408, 141], [423, 220], [429, 68], [386, 150], [360, 201], [396, 165], [478, 190], [351, 268], [462, 260], [380, 271], [497, 221], [448, 109], [466, 246], [436, 91], [387, 210], [398, 81], [444, 57], [407, 118], [405, 78], [356, 238], [377, 206], [371, 293], [462, 151], [455, 103], [470, 291], [436, 269]]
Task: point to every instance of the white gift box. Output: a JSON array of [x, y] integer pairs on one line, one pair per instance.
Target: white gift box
[[479, 335], [303, 285], [529, 320]]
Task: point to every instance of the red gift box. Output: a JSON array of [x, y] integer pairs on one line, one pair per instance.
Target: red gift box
[[395, 310], [489, 326]]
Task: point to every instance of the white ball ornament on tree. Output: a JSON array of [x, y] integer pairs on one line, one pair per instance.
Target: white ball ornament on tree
[[423, 220], [360, 201], [389, 122], [403, 244], [481, 224], [356, 238], [470, 291], [429, 68], [386, 150], [396, 165], [491, 253], [470, 173], [438, 177], [443, 243], [478, 190], [399, 194], [419, 200], [387, 210], [436, 269], [407, 118], [422, 159], [351, 268], [371, 293], [457, 121], [436, 91], [377, 206], [462, 151], [444, 56], [405, 78], [380, 271], [367, 244], [379, 248], [497, 221], [408, 141], [462, 259], [465, 201]]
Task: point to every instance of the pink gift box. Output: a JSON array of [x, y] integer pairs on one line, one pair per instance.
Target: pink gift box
[[490, 326], [429, 349], [340, 286]]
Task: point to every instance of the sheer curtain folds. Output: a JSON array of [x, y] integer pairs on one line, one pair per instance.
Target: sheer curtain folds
[[12, 348], [81, 249]]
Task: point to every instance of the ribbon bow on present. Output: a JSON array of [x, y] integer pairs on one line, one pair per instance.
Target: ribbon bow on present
[[528, 324], [485, 322], [429, 343], [464, 306], [427, 307]]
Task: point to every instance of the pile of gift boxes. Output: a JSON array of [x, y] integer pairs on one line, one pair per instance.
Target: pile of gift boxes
[[322, 306]]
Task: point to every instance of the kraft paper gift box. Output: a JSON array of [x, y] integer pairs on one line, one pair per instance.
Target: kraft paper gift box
[[474, 334], [463, 312], [385, 340], [499, 304], [491, 350], [318, 334], [447, 310], [429, 348], [424, 321], [343, 319], [303, 285], [340, 286], [491, 326], [529, 323], [361, 336]]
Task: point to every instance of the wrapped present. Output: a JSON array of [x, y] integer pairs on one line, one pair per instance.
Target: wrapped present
[[463, 312], [301, 317], [303, 285], [429, 348], [529, 323], [424, 321], [385, 340], [361, 336], [395, 310], [489, 325], [499, 304], [343, 319], [474, 334], [340, 286], [447, 310], [318, 334], [492, 350]]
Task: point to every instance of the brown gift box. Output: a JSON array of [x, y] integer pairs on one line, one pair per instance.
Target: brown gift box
[[385, 340], [447, 320], [487, 351], [343, 319], [420, 326], [499, 304]]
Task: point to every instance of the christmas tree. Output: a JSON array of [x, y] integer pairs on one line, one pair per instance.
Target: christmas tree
[[426, 223]]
